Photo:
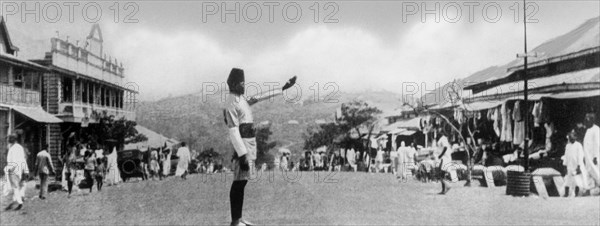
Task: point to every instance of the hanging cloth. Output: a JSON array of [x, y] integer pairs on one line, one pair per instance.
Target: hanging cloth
[[519, 129], [506, 133], [537, 113], [496, 118]]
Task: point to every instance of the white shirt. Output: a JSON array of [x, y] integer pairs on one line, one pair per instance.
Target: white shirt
[[444, 143], [16, 161], [379, 156], [351, 155], [591, 142], [183, 153], [410, 155], [573, 157]]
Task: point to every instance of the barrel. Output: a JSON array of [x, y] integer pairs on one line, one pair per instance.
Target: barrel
[[518, 183]]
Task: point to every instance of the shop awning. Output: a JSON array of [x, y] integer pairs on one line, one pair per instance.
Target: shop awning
[[407, 133], [575, 95], [37, 114], [582, 77]]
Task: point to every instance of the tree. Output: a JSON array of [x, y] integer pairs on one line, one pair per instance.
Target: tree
[[323, 135], [263, 146], [120, 132], [358, 114], [354, 115]]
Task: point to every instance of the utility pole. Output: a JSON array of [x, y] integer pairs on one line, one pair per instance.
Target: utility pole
[[525, 105]]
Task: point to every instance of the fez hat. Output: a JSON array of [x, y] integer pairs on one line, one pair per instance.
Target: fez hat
[[235, 77]]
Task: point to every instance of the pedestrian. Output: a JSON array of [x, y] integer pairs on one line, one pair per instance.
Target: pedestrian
[[184, 160], [167, 162], [591, 149], [573, 159], [402, 154], [379, 159], [89, 169], [445, 162], [154, 166], [17, 171], [336, 162], [239, 120], [43, 168], [70, 169], [351, 158], [284, 163], [114, 175], [100, 172], [161, 159]]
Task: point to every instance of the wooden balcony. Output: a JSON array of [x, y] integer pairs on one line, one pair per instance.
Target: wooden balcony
[[77, 112], [18, 96]]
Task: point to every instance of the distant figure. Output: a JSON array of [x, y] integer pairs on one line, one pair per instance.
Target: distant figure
[[43, 168], [161, 163], [379, 160], [402, 154], [336, 162], [263, 168], [17, 171], [410, 160], [167, 163], [284, 163], [351, 157], [100, 172], [591, 145], [153, 166], [445, 161], [318, 161], [114, 176], [70, 170], [575, 179], [184, 160], [89, 169]]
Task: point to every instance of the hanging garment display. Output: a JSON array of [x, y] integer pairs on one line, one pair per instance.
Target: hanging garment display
[[496, 119], [506, 133], [537, 113], [519, 130]]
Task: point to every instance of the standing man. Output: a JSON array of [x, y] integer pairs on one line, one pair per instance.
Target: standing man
[[445, 160], [184, 160], [573, 159], [43, 168], [17, 171], [591, 148], [238, 118]]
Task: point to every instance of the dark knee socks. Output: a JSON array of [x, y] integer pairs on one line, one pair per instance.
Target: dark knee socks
[[70, 186], [236, 199]]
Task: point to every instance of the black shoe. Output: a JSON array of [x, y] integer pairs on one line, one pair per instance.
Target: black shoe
[[42, 198], [20, 206], [444, 191], [10, 206]]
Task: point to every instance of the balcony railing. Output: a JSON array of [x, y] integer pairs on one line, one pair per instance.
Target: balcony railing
[[93, 112], [19, 96]]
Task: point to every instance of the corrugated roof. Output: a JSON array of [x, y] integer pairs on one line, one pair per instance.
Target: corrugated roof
[[578, 77], [584, 36]]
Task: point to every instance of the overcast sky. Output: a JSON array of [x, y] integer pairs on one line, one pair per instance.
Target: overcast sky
[[374, 45]]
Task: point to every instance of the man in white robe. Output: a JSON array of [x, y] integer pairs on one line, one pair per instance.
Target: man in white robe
[[591, 149], [184, 160], [573, 159], [17, 171]]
